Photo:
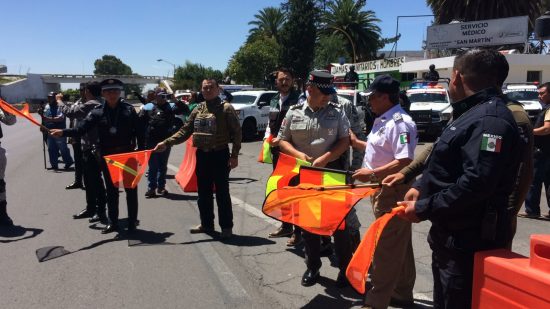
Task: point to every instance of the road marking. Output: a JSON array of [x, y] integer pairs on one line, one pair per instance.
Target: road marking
[[227, 279]]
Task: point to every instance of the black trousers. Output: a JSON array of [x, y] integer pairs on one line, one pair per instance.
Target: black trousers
[[95, 188], [453, 279], [78, 162], [213, 169], [112, 199]]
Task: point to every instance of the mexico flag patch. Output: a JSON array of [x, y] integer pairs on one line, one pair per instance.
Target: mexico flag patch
[[404, 138], [490, 142]]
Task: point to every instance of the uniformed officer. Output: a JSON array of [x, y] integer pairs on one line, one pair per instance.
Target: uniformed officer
[[542, 158], [119, 131], [469, 176], [91, 167], [5, 220], [213, 124], [75, 142], [279, 105], [389, 147], [317, 131]]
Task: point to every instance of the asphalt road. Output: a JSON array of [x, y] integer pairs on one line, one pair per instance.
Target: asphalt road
[[163, 266]]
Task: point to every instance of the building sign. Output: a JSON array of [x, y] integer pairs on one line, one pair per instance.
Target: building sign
[[381, 65], [502, 31]]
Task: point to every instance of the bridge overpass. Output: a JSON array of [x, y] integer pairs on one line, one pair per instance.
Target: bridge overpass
[[35, 87]]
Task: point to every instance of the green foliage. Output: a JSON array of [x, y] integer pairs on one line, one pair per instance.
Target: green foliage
[[329, 49], [267, 23], [71, 94], [469, 10], [191, 75], [111, 65], [346, 18], [297, 41], [254, 61]]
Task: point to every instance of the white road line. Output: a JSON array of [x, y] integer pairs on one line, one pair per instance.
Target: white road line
[[227, 279]]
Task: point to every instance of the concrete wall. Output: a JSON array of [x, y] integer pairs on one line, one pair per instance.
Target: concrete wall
[[30, 89]]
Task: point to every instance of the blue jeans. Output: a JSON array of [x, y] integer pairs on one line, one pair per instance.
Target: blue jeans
[[158, 164], [56, 145], [541, 176]]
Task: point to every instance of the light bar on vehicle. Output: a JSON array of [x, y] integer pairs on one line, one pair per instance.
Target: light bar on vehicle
[[425, 85]]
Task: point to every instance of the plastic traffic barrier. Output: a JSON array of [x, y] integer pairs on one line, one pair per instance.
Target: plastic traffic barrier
[[186, 177], [504, 279]]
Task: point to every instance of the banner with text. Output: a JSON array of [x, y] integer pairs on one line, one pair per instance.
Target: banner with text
[[502, 31], [381, 65]]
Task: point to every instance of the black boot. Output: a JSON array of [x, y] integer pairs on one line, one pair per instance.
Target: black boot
[[5, 220]]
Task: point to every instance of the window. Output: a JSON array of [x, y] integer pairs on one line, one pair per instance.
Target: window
[[533, 76], [407, 77]]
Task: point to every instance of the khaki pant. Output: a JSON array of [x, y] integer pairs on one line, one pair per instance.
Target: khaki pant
[[392, 271]]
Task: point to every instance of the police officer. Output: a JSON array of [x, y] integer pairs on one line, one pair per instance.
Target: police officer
[[542, 158], [119, 131], [279, 105], [317, 131], [469, 176], [68, 110], [213, 124], [351, 76], [389, 147], [159, 118], [91, 167], [5, 220]]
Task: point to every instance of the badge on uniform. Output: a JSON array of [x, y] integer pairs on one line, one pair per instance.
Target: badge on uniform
[[404, 138], [331, 131], [331, 115], [397, 117], [490, 142]]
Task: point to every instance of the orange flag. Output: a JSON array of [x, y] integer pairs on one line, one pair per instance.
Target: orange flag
[[21, 113], [127, 168], [316, 209], [359, 265], [287, 167], [265, 153]]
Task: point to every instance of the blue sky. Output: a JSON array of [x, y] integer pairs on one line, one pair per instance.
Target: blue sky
[[67, 36]]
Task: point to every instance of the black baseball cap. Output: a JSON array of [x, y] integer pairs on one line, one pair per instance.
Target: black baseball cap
[[111, 83], [322, 80], [384, 83]]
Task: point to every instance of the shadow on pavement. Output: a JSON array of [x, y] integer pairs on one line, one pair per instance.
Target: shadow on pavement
[[322, 301], [148, 238], [246, 241], [180, 197], [241, 181], [17, 231], [53, 252]]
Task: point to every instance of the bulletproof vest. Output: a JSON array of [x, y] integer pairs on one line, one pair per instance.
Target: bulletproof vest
[[204, 126], [542, 142], [161, 120]]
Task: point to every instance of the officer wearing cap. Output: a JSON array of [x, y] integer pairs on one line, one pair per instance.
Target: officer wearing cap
[[318, 131], [213, 124], [68, 110], [389, 147], [351, 76], [119, 131], [469, 176]]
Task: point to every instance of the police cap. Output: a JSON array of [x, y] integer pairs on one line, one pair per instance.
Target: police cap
[[111, 83], [322, 80], [52, 94], [384, 83]]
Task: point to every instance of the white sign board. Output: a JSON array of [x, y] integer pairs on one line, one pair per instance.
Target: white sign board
[[381, 65], [502, 31]]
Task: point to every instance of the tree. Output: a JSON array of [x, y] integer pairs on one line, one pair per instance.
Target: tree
[[358, 28], [268, 23], [191, 75], [446, 11], [111, 65], [254, 62], [298, 37], [330, 48]]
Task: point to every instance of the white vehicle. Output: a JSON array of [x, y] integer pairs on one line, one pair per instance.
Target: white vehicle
[[527, 94], [232, 88], [356, 97], [253, 110], [430, 107]]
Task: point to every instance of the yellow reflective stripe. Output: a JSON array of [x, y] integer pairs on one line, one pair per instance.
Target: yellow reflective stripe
[[333, 179], [122, 166], [272, 183], [267, 152]]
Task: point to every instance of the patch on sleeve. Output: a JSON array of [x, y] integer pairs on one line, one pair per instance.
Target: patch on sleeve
[[397, 117], [404, 138], [490, 142]]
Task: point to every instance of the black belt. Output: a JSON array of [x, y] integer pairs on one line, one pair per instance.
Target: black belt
[[214, 149]]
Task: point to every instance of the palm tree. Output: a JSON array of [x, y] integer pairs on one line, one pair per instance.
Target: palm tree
[[268, 22], [358, 28], [469, 10]]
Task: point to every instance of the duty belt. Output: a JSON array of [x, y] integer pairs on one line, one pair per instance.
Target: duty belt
[[223, 147]]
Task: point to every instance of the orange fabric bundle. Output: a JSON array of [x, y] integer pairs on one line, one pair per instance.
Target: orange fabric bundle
[[127, 168]]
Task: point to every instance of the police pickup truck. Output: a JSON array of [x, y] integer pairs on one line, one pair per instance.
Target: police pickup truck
[[527, 94], [430, 106], [252, 107]]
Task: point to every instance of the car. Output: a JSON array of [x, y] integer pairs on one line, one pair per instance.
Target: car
[[527, 94], [252, 107], [357, 97], [430, 106]]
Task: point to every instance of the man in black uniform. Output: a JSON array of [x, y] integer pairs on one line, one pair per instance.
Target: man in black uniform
[[68, 110], [469, 176], [5, 220], [95, 189], [118, 131], [279, 105], [351, 76], [432, 75]]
